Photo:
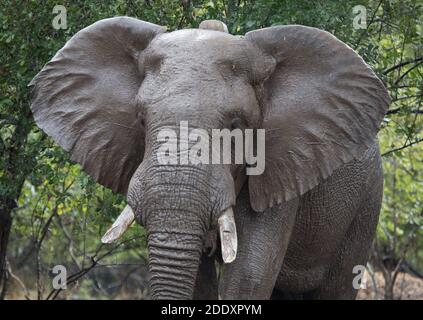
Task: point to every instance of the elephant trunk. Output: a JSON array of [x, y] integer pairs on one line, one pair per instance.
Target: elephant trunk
[[176, 216], [174, 261], [179, 202]]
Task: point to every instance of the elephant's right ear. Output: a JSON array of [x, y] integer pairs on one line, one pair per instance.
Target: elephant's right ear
[[85, 98]]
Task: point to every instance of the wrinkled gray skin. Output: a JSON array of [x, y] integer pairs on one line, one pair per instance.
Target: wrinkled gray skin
[[302, 225]]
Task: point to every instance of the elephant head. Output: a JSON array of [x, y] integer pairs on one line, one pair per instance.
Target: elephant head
[[107, 94]]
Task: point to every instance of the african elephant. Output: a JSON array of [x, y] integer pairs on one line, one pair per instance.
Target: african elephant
[[298, 229]]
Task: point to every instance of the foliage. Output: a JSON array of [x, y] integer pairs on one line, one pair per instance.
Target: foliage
[[62, 213]]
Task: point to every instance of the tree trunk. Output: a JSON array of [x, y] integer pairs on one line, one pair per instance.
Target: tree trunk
[[6, 207], [389, 291]]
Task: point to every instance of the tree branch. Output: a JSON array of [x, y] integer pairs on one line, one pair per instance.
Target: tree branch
[[19, 281], [404, 63], [95, 259], [397, 110], [407, 72], [403, 147]]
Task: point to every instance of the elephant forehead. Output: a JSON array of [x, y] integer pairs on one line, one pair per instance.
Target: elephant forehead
[[192, 43], [200, 50]]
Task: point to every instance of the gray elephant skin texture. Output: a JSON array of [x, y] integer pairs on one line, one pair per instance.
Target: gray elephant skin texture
[[302, 225]]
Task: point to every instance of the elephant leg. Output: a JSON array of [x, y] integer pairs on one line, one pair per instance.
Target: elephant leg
[[262, 242], [206, 285], [354, 250]]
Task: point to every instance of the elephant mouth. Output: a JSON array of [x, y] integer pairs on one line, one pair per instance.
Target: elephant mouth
[[227, 231]]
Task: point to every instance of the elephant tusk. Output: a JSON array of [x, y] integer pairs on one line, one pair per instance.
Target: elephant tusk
[[228, 237], [122, 223]]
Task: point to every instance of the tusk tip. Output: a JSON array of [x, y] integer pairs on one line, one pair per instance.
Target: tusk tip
[[109, 237], [119, 227], [229, 247], [229, 258], [106, 241], [228, 236]]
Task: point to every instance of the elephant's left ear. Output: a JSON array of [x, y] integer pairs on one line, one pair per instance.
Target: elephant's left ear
[[322, 107], [85, 98]]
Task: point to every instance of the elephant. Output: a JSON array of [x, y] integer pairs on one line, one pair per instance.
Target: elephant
[[295, 231]]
